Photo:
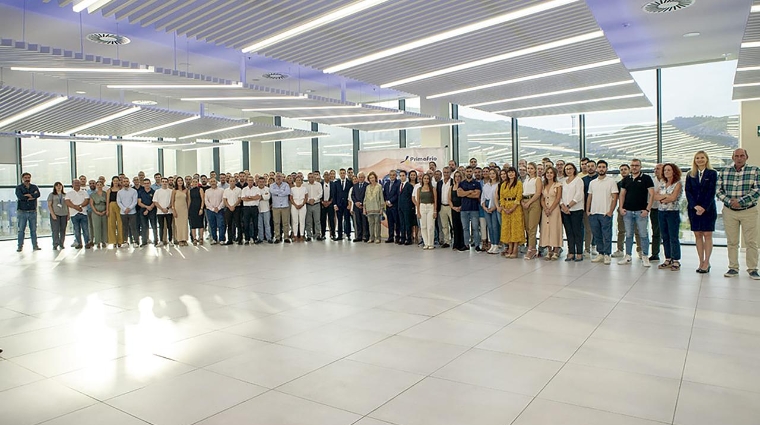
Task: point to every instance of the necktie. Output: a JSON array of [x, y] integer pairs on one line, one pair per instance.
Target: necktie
[[700, 176]]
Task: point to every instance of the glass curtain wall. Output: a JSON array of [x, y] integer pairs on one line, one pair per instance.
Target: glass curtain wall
[[97, 159], [170, 162], [335, 150], [554, 137], [485, 136], [296, 154], [231, 158], [138, 158]]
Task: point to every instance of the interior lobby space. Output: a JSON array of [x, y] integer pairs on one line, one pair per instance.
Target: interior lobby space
[[106, 105]]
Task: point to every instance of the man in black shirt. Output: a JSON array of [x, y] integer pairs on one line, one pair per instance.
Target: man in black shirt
[[27, 194], [636, 197], [590, 244]]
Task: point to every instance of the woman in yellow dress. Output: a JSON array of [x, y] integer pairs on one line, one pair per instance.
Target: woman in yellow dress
[[512, 226]]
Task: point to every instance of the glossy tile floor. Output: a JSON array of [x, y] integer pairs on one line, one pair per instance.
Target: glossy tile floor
[[340, 333]]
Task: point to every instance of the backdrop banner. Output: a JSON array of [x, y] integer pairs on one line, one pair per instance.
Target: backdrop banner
[[382, 161]]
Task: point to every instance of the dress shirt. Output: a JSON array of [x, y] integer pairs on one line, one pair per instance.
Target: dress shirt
[[743, 185], [24, 203], [248, 192], [327, 196], [489, 195], [232, 195], [573, 191], [445, 191], [314, 191], [127, 198], [77, 198], [280, 195], [299, 193], [155, 186], [214, 198]]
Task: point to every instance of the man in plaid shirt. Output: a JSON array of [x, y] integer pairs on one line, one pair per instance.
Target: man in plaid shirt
[[739, 190]]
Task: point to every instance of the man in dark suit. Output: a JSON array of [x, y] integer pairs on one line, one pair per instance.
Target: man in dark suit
[[391, 193], [405, 210], [327, 214], [340, 190], [360, 220]]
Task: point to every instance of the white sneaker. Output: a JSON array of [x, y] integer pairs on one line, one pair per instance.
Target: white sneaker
[[586, 254], [645, 261], [626, 261], [594, 251], [638, 254], [607, 260], [618, 254], [598, 259]]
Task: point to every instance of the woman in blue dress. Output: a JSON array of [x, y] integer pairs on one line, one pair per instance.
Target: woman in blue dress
[[701, 183]]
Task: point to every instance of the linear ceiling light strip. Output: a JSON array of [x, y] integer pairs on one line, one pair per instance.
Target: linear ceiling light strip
[[385, 121], [417, 126], [103, 120], [498, 58], [93, 70], [216, 131], [33, 110], [251, 136], [300, 108], [93, 5], [327, 117], [164, 126], [528, 78], [341, 13], [554, 93], [211, 99], [501, 19], [578, 102], [174, 86]]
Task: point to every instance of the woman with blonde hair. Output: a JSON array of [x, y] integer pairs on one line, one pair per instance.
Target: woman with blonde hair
[[512, 228], [531, 205], [701, 184], [374, 203]]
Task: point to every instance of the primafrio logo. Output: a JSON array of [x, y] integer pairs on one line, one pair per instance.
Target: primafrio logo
[[428, 158]]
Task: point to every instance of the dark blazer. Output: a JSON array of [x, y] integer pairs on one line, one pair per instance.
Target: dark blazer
[[340, 193], [358, 193], [405, 197], [702, 193], [391, 191]]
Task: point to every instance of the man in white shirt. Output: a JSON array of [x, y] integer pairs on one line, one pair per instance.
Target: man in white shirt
[[214, 200], [265, 226], [251, 195], [162, 199], [77, 200], [444, 214], [233, 213], [600, 207], [327, 215], [313, 209]]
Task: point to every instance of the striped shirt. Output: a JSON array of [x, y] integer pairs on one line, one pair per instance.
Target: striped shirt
[[744, 185]]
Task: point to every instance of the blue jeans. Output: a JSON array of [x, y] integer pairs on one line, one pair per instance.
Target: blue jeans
[[494, 228], [27, 218], [265, 229], [216, 224], [81, 228], [471, 217], [670, 223], [601, 228], [631, 219]]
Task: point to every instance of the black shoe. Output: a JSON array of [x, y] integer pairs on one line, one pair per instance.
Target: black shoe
[[479, 249], [277, 241], [19, 249], [270, 241], [408, 243], [247, 242], [227, 243], [357, 240], [445, 245], [654, 258], [731, 273], [307, 239], [257, 242], [462, 249], [287, 240], [143, 244], [339, 238], [240, 242], [389, 241]]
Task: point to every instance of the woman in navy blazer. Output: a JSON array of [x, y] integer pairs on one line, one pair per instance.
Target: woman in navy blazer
[[701, 183]]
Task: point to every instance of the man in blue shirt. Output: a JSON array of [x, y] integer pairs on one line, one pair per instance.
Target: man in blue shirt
[[280, 192], [147, 212], [469, 191], [27, 194], [157, 184]]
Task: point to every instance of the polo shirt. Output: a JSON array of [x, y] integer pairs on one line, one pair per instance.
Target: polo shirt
[[470, 204], [146, 197], [77, 198], [636, 192], [250, 192], [587, 179], [232, 195]]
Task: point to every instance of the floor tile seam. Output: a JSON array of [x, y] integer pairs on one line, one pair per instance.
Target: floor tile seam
[[569, 358], [691, 381], [597, 410], [87, 407], [686, 358]]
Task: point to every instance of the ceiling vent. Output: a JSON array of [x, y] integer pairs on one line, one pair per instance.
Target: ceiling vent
[[664, 6], [108, 38], [276, 75]]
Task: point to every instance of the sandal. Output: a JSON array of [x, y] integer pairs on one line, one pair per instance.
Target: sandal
[[666, 265], [676, 266], [531, 254]]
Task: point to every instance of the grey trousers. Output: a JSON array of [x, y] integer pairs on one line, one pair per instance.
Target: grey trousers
[[313, 220]]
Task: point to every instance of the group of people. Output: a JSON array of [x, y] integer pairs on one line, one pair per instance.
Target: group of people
[[525, 211]]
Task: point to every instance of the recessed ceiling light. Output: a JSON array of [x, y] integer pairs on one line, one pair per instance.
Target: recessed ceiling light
[[498, 58], [145, 102], [108, 38], [80, 92], [316, 23], [498, 20], [84, 4], [755, 8], [528, 78], [692, 34]]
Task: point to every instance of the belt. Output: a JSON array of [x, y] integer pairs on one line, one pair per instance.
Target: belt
[[528, 195], [742, 209], [444, 205], [511, 199]]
